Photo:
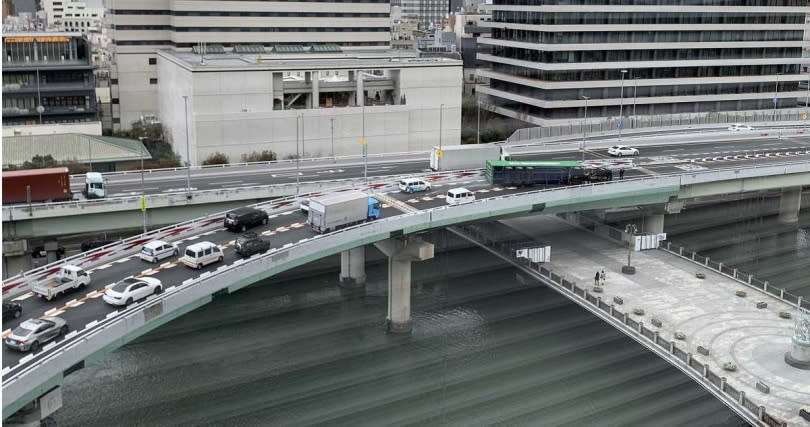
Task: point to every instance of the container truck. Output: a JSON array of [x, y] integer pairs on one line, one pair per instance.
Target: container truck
[[36, 185], [455, 157], [69, 277], [340, 210]]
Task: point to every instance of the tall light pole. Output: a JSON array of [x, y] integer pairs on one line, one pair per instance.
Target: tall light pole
[[776, 96], [635, 93], [332, 136], [363, 140], [297, 156], [188, 151], [807, 98], [143, 191], [585, 123], [478, 128], [439, 160], [621, 107]]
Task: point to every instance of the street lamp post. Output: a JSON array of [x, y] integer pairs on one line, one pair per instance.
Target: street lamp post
[[363, 141], [478, 127], [332, 136], [621, 106], [439, 160], [143, 190], [807, 98], [188, 151], [631, 230], [776, 96], [584, 128], [635, 93], [297, 155]]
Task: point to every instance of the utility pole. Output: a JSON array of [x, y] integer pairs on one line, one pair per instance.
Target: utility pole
[[584, 129], [439, 160], [776, 96], [631, 230], [635, 93], [621, 107], [188, 151], [143, 191], [363, 140], [332, 136], [297, 156]]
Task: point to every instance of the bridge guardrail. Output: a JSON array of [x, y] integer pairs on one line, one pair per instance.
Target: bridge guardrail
[[666, 348], [19, 283], [100, 334]]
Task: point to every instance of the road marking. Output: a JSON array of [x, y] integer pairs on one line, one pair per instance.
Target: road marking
[[273, 216], [286, 213], [647, 171], [483, 190], [24, 296], [102, 267], [54, 312], [269, 233], [228, 182], [122, 260], [191, 238], [6, 333], [280, 229], [247, 184], [297, 225], [95, 294], [74, 304], [151, 272]]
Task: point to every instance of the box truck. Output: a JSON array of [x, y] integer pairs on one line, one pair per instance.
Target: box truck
[[340, 210]]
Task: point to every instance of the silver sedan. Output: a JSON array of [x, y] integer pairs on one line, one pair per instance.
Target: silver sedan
[[32, 333]]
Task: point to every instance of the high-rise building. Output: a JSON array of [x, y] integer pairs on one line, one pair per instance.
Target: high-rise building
[[642, 57], [429, 12], [139, 29]]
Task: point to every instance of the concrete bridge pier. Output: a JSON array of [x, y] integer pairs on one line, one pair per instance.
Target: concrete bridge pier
[[401, 251], [38, 412], [789, 205], [353, 267], [653, 224]]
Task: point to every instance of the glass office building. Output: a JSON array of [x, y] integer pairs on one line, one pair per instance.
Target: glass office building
[[647, 57]]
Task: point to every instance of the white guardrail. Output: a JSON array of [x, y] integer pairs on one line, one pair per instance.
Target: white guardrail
[[129, 322], [20, 283]]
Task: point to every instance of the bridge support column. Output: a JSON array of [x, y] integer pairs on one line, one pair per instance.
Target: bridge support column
[[33, 414], [353, 267], [401, 252], [789, 205], [653, 224]]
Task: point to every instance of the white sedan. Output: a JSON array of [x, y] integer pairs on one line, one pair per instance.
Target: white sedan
[[132, 289], [737, 127], [622, 150]]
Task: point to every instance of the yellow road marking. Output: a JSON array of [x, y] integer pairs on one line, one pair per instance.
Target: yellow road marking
[[6, 333]]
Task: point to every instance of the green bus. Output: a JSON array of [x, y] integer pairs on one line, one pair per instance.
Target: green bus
[[548, 172]]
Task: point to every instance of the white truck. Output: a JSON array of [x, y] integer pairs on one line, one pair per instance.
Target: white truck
[[69, 277], [456, 157], [94, 186], [340, 210]]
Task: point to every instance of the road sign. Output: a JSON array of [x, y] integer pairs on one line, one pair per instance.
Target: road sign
[[619, 125], [143, 203], [804, 116], [438, 153], [362, 140]]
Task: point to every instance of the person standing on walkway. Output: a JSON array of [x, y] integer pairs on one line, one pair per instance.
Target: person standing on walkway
[[596, 279], [621, 173], [602, 277]]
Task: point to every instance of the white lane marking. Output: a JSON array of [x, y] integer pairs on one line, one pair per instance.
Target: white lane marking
[[102, 267], [74, 304], [138, 190], [191, 238], [286, 213], [227, 182], [240, 185], [122, 260], [273, 216], [297, 225], [54, 312], [24, 296], [269, 233]]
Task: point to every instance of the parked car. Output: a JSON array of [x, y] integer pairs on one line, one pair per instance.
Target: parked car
[[95, 243], [739, 127], [457, 196], [243, 218], [132, 289], [622, 150], [249, 244], [33, 333], [11, 310], [201, 254], [412, 185], [157, 250]]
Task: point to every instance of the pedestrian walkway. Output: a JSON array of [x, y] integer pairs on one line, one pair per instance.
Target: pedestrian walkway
[[707, 311]]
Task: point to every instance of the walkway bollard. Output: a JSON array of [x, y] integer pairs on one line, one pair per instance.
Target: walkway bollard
[[672, 347], [723, 384], [742, 397], [750, 277], [706, 370], [760, 412], [655, 337], [611, 309], [735, 273], [641, 328], [689, 359], [707, 260], [782, 293]]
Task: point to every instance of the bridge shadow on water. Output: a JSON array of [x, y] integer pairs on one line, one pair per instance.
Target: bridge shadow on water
[[488, 347]]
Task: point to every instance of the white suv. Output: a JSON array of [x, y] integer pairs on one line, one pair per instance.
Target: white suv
[[412, 185], [739, 127], [157, 250]]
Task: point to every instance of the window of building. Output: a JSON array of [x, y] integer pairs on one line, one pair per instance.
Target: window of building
[[152, 61], [152, 81], [115, 101]]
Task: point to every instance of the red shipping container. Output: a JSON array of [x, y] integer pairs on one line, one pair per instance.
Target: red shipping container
[[46, 185]]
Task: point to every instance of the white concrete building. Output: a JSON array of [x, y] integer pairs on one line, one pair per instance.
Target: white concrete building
[[241, 103], [78, 18], [550, 60], [139, 28]]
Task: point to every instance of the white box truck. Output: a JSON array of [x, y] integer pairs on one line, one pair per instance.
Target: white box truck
[[69, 277], [456, 157], [340, 210]]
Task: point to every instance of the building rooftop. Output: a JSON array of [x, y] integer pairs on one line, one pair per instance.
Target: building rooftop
[[309, 59], [33, 34], [71, 147]]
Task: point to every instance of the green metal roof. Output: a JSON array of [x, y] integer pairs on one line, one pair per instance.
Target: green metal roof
[[248, 48], [538, 163], [324, 48], [289, 48], [209, 48], [72, 147]]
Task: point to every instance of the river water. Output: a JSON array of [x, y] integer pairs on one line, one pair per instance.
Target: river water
[[488, 348]]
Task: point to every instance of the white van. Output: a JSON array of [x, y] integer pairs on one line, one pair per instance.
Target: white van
[[157, 250], [412, 185], [457, 196], [201, 254]]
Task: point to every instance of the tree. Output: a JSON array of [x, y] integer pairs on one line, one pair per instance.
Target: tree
[[216, 158], [40, 162], [264, 156]]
